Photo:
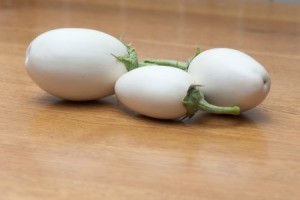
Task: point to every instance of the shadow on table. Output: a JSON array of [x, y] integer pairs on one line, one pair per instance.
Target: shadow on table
[[250, 118], [53, 101]]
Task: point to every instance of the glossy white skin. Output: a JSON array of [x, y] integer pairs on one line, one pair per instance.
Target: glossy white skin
[[75, 64], [230, 78], [154, 91]]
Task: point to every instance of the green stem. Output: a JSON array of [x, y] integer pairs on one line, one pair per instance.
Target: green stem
[[195, 101], [142, 64], [130, 60], [171, 63], [204, 105]]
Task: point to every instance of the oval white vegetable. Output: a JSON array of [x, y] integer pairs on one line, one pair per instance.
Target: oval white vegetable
[[75, 64], [163, 92], [230, 78], [154, 91]]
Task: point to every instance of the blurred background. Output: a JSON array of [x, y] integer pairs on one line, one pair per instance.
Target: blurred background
[[165, 25]]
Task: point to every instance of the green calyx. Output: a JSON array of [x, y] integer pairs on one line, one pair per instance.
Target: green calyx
[[130, 60], [194, 101]]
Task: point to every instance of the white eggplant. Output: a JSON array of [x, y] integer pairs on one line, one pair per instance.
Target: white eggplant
[[230, 78], [78, 64]]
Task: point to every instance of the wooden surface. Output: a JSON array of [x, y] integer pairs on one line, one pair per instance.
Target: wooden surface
[[52, 149]]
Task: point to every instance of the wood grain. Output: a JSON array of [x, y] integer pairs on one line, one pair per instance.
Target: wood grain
[[52, 149]]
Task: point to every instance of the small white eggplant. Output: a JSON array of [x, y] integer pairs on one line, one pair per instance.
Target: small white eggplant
[[230, 78], [78, 64], [164, 92]]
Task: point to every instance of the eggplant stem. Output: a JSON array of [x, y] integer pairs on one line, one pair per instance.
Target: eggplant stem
[[195, 101], [170, 63]]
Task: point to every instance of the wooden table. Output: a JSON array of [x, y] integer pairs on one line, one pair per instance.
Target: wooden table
[[53, 149]]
